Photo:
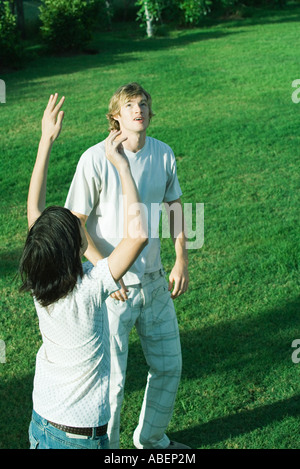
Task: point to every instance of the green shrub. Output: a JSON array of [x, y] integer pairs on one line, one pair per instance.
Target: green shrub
[[194, 10], [181, 12], [67, 25], [10, 42]]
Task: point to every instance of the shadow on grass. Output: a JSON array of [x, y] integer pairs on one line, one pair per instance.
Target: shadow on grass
[[243, 350], [246, 349], [9, 264], [113, 48], [232, 426], [252, 16], [15, 410], [124, 38]]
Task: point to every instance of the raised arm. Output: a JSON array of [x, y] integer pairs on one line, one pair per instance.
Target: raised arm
[[51, 127], [135, 221]]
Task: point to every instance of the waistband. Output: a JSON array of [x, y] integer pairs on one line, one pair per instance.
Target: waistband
[[87, 431], [152, 276], [80, 431]]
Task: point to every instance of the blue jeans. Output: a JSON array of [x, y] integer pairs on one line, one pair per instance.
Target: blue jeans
[[43, 435]]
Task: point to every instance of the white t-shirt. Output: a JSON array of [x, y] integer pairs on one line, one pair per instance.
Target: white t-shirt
[[72, 366], [96, 192]]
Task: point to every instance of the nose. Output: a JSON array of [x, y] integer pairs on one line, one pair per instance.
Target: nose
[[138, 108]]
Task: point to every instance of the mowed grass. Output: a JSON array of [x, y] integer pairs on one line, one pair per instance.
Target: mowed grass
[[222, 98]]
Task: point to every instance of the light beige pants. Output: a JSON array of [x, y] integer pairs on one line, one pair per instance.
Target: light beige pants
[[150, 308]]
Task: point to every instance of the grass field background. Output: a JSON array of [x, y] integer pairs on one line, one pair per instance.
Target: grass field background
[[222, 98]]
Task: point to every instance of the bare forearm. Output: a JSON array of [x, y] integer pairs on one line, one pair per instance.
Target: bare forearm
[[180, 249], [135, 221], [37, 190], [179, 276], [51, 127], [92, 253], [177, 229]]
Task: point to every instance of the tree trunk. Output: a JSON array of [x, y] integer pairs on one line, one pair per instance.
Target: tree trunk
[[149, 21]]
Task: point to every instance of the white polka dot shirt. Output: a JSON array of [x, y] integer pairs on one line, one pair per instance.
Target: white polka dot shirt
[[72, 365]]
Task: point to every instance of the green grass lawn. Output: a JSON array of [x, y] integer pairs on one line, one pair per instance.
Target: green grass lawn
[[222, 98]]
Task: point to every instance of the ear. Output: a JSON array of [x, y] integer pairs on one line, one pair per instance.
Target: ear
[[116, 118]]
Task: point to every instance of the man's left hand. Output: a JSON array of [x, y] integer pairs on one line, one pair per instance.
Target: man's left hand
[[179, 277]]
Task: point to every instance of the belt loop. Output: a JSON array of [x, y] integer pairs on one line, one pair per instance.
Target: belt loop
[[94, 433]]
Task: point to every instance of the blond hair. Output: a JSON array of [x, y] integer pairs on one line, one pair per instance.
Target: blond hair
[[131, 90]]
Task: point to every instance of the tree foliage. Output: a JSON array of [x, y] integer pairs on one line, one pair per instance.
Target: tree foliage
[[10, 43], [191, 12], [67, 25]]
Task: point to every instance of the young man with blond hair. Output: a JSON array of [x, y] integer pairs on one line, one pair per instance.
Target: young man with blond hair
[[146, 298]]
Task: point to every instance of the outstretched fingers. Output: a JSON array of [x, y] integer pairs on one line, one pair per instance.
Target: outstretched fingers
[[53, 117], [59, 105], [52, 103]]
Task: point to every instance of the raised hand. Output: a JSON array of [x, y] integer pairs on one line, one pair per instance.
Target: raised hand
[[114, 150], [52, 118], [51, 127]]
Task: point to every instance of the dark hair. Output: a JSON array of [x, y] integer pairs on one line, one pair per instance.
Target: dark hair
[[51, 262]]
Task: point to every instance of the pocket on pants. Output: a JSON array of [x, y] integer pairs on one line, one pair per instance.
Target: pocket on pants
[[33, 440], [120, 323], [162, 304], [159, 291]]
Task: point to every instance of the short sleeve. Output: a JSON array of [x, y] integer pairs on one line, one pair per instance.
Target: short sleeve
[[85, 188], [98, 281], [173, 190]]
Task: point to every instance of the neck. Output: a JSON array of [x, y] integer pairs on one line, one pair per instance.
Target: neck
[[135, 141]]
